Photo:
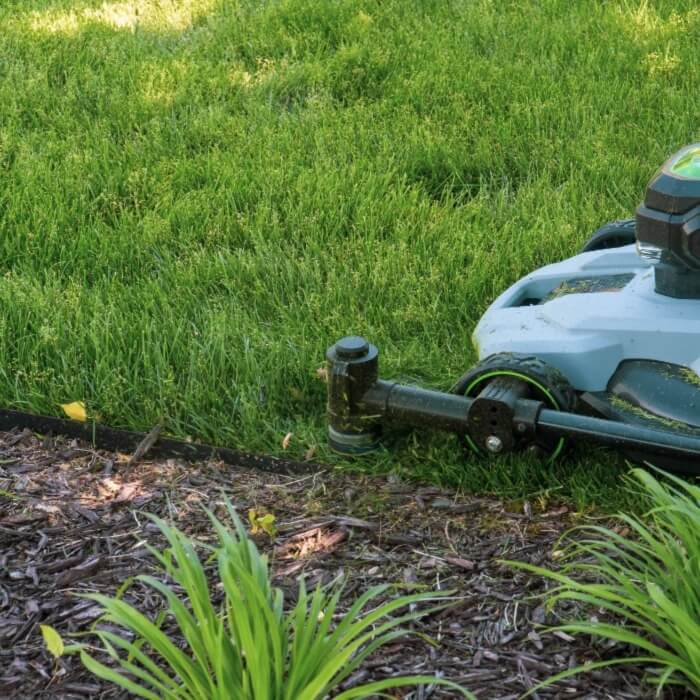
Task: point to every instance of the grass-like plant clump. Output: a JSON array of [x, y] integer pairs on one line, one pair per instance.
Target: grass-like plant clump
[[246, 646], [647, 578], [197, 197]]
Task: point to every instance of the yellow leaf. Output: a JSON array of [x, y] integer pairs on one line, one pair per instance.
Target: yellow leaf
[[75, 410], [267, 523], [53, 640], [262, 523]]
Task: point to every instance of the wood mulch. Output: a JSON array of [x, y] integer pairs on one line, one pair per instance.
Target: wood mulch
[[72, 520]]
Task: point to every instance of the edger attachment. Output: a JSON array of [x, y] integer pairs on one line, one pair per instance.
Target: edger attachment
[[506, 416], [604, 346]]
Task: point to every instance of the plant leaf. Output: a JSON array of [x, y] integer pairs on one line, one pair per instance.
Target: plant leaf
[[75, 410], [262, 523], [53, 640]]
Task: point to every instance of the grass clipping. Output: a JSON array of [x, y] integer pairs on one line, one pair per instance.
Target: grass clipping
[[649, 580]]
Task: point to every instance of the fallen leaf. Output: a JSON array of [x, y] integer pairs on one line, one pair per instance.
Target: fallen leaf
[[127, 491], [262, 523], [75, 410], [322, 373], [53, 640], [287, 439], [317, 539]]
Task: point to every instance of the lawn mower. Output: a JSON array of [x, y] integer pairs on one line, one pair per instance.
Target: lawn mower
[[604, 346]]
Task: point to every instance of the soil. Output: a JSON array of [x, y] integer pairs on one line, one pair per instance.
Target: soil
[[72, 521]]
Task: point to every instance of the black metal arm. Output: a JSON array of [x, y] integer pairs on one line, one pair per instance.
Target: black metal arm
[[359, 402]]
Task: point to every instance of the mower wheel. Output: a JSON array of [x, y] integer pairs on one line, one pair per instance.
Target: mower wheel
[[547, 384], [613, 235]]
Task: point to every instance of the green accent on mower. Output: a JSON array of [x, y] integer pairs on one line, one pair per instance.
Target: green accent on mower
[[687, 164]]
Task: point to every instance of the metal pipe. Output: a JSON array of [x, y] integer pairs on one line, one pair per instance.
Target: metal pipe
[[620, 435], [358, 403], [417, 407]]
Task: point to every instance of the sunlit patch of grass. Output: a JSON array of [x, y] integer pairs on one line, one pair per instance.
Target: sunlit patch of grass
[[651, 21], [160, 82], [661, 64], [146, 14]]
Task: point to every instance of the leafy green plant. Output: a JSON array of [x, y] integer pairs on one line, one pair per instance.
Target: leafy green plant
[[647, 579], [248, 646]]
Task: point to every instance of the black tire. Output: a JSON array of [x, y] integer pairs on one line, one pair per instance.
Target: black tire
[[548, 384], [613, 235]]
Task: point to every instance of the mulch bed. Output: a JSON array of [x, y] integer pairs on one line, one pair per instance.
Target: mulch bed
[[72, 520]]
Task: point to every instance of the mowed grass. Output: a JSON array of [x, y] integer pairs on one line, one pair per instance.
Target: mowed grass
[[197, 197]]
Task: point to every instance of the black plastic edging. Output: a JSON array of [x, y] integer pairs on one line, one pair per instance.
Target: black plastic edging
[[116, 440]]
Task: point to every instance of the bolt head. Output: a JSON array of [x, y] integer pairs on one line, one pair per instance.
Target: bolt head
[[535, 450], [494, 444]]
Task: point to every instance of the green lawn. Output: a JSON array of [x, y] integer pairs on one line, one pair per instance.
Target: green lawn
[[198, 196]]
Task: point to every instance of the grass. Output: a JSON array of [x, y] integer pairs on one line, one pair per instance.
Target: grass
[[199, 196]]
